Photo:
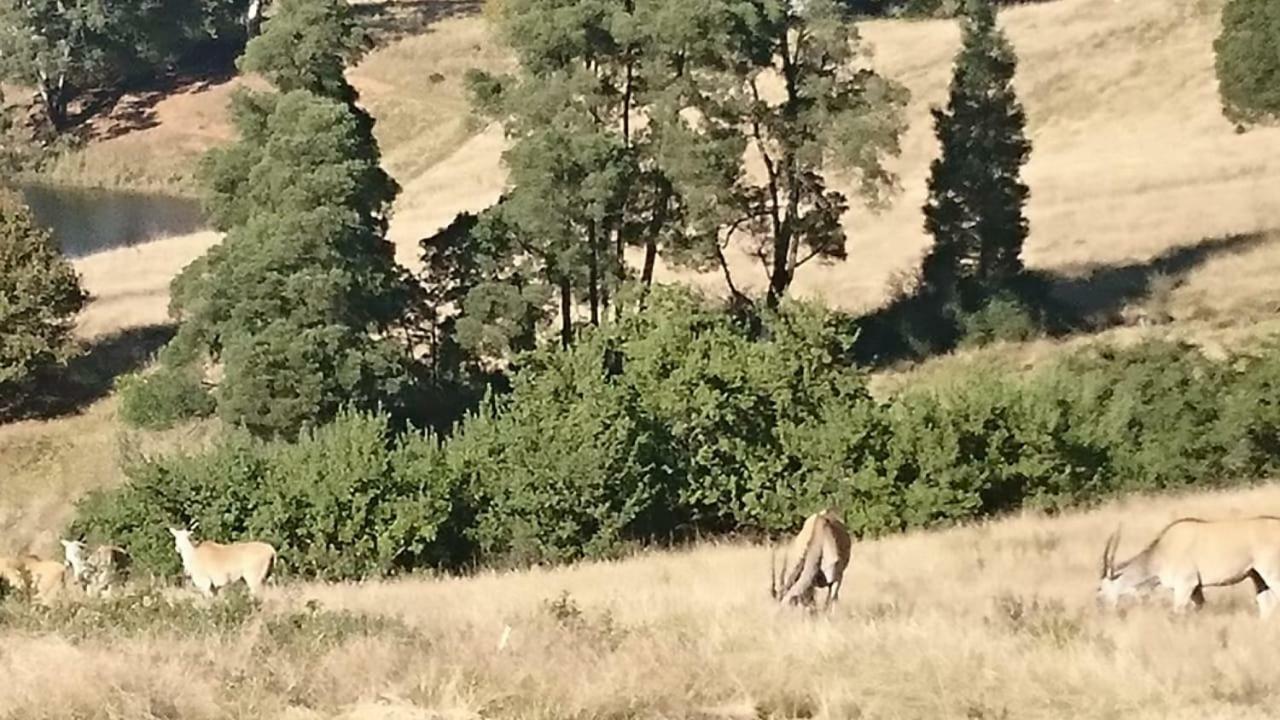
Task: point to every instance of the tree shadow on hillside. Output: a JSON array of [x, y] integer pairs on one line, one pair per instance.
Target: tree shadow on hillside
[[392, 20], [915, 326], [114, 112], [88, 377], [1097, 294]]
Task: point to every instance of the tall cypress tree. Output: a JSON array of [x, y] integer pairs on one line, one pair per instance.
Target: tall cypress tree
[[976, 195]]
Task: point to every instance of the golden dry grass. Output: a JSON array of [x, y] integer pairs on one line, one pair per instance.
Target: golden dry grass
[[988, 621], [45, 466], [412, 85]]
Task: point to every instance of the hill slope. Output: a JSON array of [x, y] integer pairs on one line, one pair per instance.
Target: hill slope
[[992, 621], [1142, 194], [1131, 159]]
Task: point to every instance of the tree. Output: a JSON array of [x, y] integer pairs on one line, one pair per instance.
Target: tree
[[302, 304], [64, 48], [789, 84], [40, 295], [57, 46], [631, 121], [976, 195], [1248, 61]]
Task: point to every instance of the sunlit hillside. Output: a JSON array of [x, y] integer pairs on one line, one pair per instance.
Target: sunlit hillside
[[1132, 161], [993, 621]]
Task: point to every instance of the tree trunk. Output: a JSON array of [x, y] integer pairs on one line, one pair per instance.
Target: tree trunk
[[53, 96], [593, 281], [253, 17], [566, 313]]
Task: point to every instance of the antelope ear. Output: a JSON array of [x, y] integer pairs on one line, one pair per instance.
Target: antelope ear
[[173, 532]]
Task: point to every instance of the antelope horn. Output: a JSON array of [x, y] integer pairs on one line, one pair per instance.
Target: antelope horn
[[1109, 553], [773, 570]]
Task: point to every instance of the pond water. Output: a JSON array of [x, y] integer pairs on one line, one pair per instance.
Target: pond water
[[89, 220]]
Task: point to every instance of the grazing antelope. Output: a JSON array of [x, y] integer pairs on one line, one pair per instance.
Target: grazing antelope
[[44, 579], [817, 558], [1191, 554], [97, 572], [212, 565]]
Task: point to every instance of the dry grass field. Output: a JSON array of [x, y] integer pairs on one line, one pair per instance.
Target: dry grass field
[[989, 621]]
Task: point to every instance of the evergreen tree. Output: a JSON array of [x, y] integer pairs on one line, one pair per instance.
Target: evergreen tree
[[1248, 60], [40, 295], [976, 195], [302, 303]]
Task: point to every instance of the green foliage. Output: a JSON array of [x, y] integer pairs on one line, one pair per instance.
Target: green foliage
[[65, 48], [40, 295], [673, 420], [161, 399], [302, 304], [976, 197], [307, 45], [345, 501], [1248, 61], [143, 610], [588, 181], [1002, 318]]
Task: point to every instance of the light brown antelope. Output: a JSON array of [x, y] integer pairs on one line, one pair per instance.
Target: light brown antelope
[[212, 565], [817, 558], [98, 572], [43, 579], [1191, 554]]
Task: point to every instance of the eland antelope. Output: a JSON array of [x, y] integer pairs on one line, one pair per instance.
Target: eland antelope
[[44, 579], [816, 558], [212, 565], [1191, 554], [98, 572]]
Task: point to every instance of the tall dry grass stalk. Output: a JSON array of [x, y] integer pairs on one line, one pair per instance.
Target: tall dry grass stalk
[[989, 621]]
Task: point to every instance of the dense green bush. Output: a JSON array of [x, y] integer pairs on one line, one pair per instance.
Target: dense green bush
[[345, 501], [684, 419], [163, 398], [672, 421], [1003, 318]]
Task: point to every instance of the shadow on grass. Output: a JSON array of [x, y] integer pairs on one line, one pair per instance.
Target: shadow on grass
[[391, 20], [88, 377], [1098, 294], [1087, 299]]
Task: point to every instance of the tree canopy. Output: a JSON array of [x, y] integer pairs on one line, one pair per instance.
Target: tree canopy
[[1248, 61], [40, 295]]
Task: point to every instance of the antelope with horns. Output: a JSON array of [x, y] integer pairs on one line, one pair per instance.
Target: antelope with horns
[[1191, 554], [212, 565], [816, 558]]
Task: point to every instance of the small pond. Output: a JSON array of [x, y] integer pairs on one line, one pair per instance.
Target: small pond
[[89, 220]]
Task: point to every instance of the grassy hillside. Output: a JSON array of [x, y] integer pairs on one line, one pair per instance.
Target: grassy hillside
[[1138, 183], [995, 621], [1144, 200]]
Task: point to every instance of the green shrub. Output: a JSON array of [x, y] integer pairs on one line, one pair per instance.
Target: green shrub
[[345, 501], [141, 611], [163, 398], [1003, 318], [673, 421]]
